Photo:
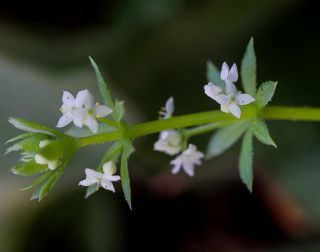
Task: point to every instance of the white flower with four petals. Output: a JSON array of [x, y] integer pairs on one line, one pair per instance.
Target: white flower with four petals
[[81, 110], [104, 179], [187, 160], [229, 102]]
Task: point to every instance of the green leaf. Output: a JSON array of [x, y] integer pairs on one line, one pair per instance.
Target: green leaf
[[265, 93], [28, 169], [118, 111], [213, 75], [29, 126], [28, 144], [102, 85], [91, 190], [261, 132], [224, 138], [44, 189], [248, 70], [59, 149], [19, 137], [245, 161], [125, 179], [37, 181]]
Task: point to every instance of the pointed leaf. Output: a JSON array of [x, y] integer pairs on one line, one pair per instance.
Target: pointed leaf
[[37, 181], [19, 137], [91, 190], [248, 70], [125, 179], [224, 138], [102, 85], [47, 185], [30, 126], [261, 132], [265, 93], [245, 161], [213, 75], [28, 169], [118, 111]]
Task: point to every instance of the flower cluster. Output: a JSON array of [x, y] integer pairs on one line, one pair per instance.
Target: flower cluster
[[81, 110], [230, 101], [170, 142]]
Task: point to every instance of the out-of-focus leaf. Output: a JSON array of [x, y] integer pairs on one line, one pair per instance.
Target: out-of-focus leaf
[[29, 126], [224, 138], [248, 70], [37, 181], [44, 189], [28, 169], [213, 75], [245, 160], [261, 132], [102, 85], [83, 132], [118, 111], [265, 93], [59, 148], [125, 179]]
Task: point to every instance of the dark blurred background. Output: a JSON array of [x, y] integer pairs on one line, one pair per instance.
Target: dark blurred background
[[149, 50]]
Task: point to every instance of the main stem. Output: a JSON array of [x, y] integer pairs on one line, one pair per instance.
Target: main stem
[[248, 112]]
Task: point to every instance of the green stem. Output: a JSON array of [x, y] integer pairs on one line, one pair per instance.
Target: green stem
[[248, 112], [204, 129]]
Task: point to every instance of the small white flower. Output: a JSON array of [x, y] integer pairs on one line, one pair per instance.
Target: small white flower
[[230, 101], [169, 142], [104, 179], [168, 109], [52, 164], [187, 160], [81, 110]]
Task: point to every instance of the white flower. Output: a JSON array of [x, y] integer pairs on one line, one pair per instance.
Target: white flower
[[168, 109], [230, 101], [169, 142], [81, 110], [104, 179], [52, 164], [187, 160]]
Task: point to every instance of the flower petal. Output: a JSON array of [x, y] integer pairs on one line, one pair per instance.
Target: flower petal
[[68, 99], [107, 185], [92, 174], [79, 116], [224, 71], [64, 121], [222, 99], [244, 99], [87, 182], [92, 124], [231, 89], [235, 110], [189, 169], [102, 111], [225, 108], [169, 108], [212, 90], [233, 74], [84, 98], [109, 168]]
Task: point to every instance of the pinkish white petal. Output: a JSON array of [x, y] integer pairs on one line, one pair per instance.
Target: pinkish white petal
[[244, 99], [102, 111], [235, 110]]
